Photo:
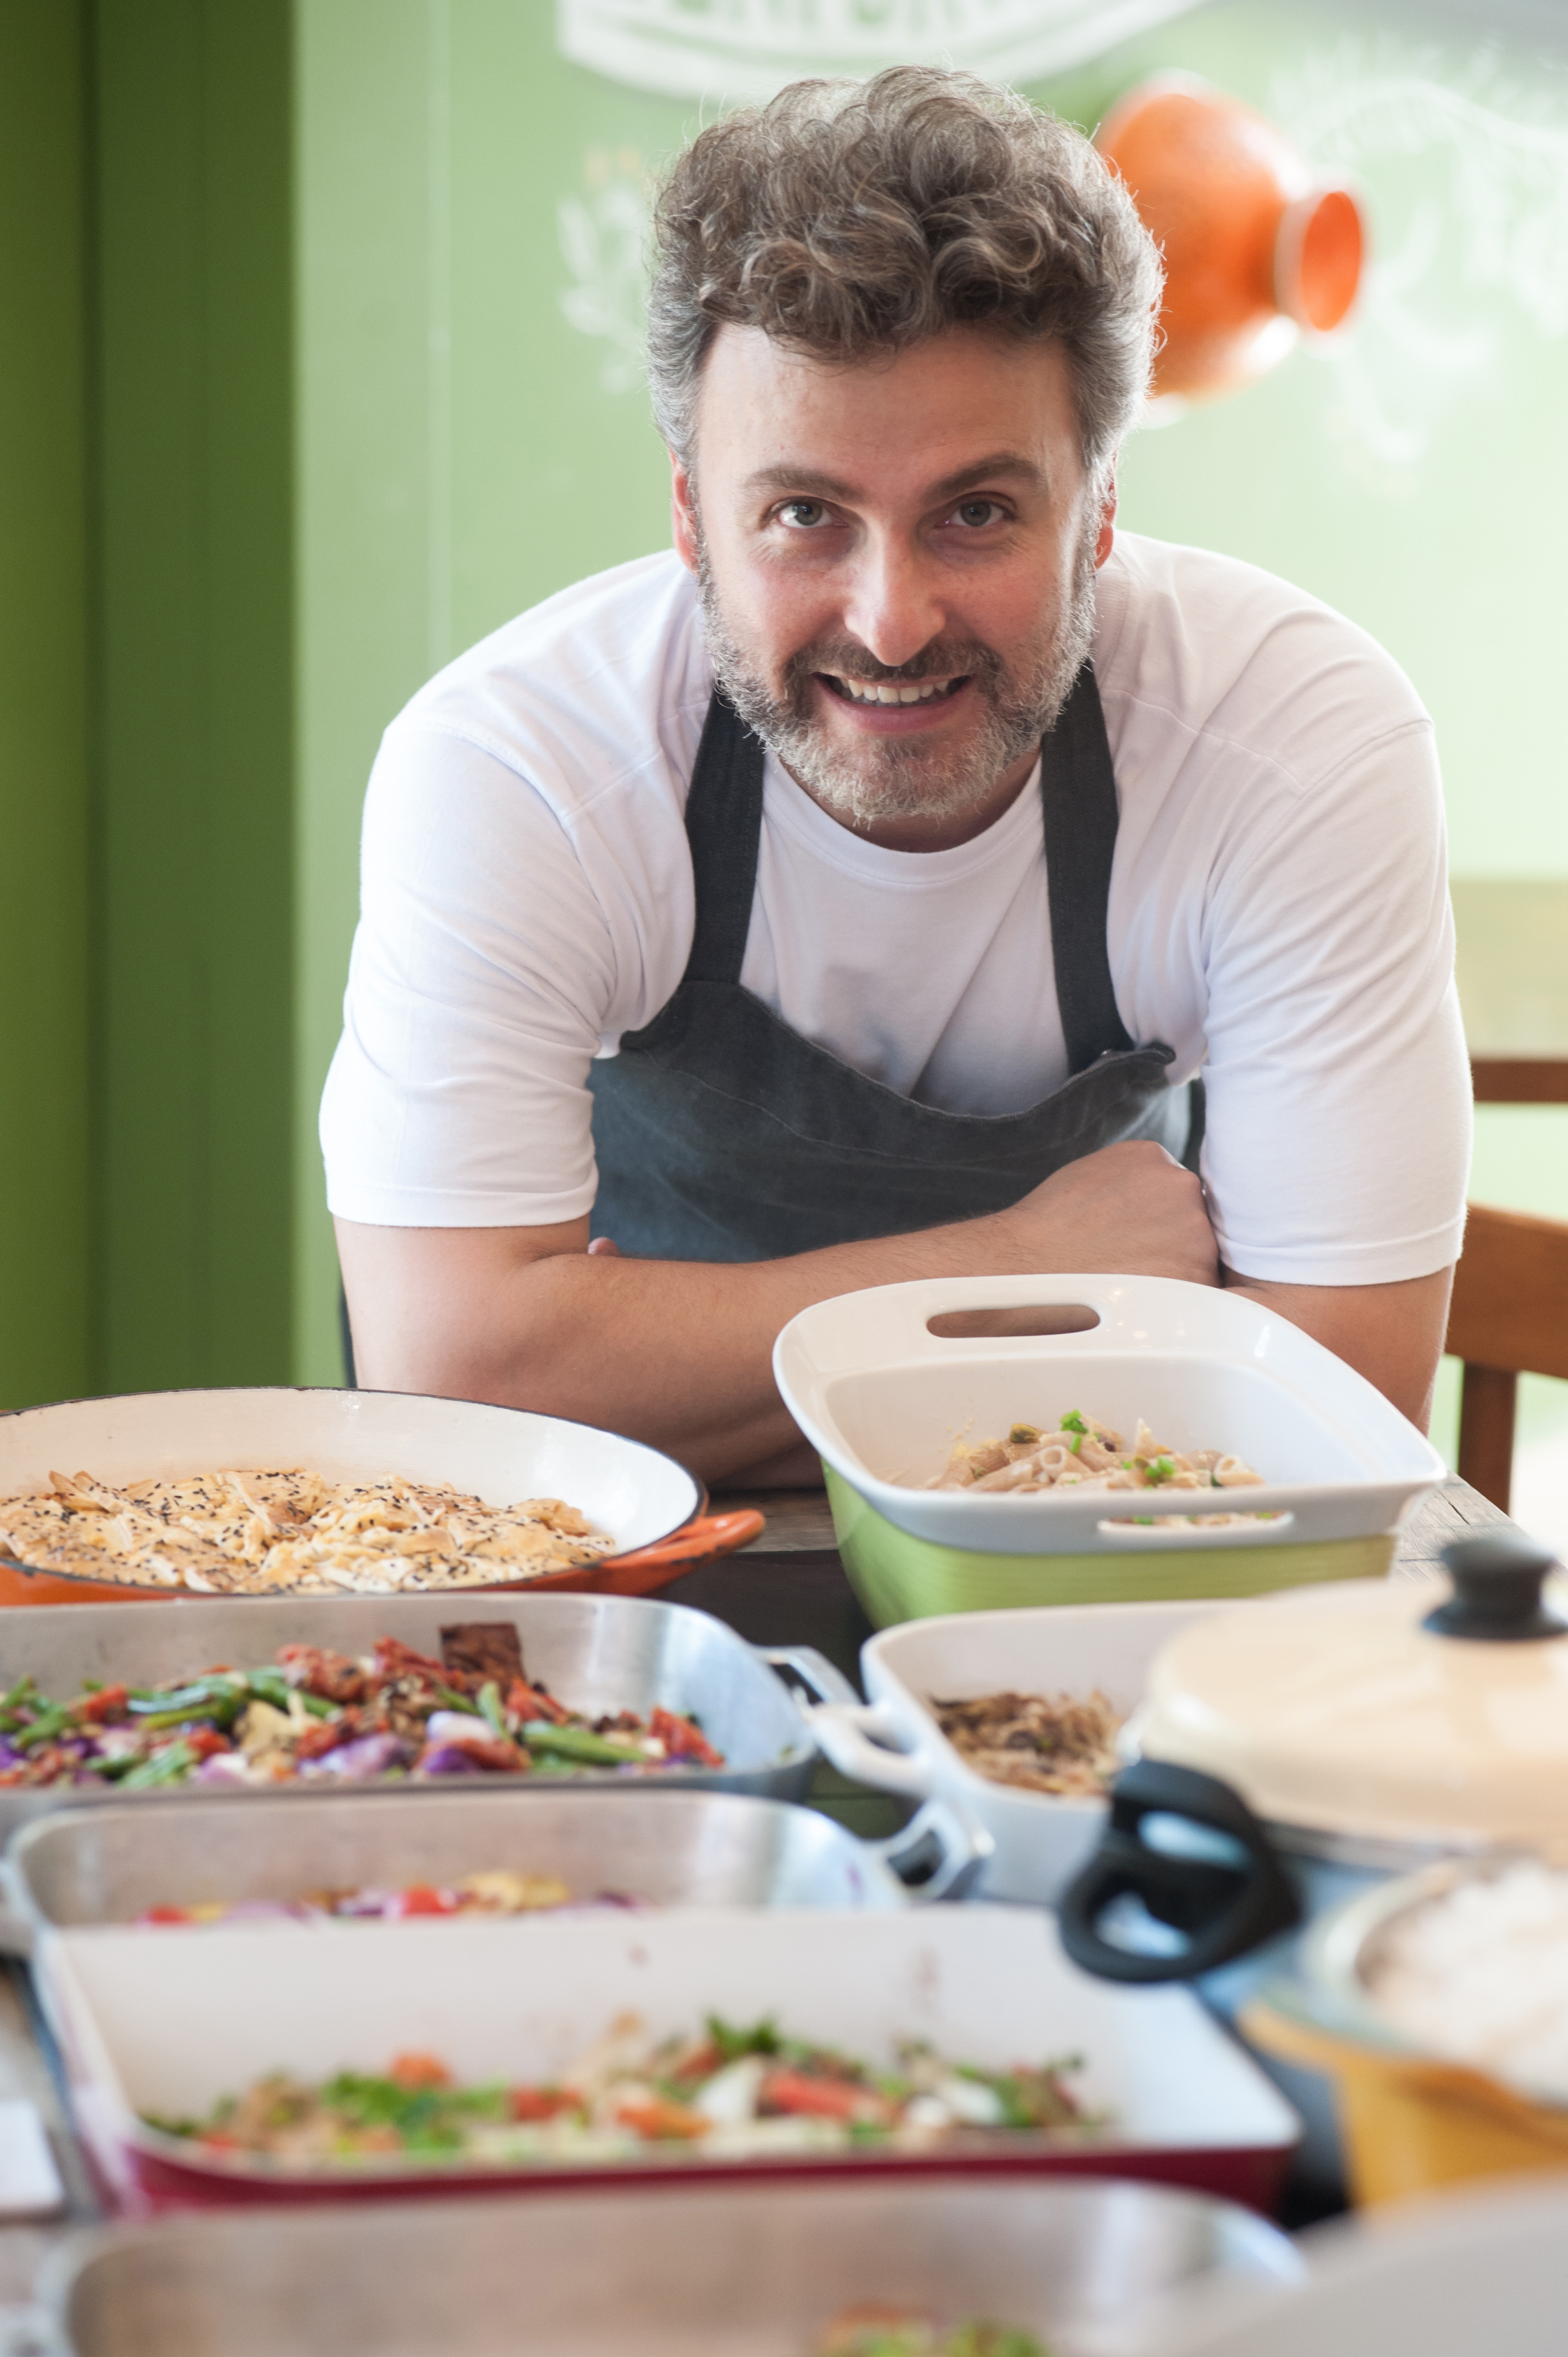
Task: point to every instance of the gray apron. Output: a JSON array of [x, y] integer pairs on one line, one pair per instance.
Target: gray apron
[[720, 1135]]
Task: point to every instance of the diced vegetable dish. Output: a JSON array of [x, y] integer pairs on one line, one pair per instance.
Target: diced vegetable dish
[[736, 2093], [497, 1890], [311, 1713]]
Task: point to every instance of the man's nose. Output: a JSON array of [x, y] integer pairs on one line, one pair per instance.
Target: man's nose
[[893, 607]]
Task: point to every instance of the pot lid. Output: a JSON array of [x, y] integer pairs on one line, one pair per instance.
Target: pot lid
[[1387, 1711]]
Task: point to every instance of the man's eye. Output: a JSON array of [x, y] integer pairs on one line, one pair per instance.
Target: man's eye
[[973, 513], [803, 514]]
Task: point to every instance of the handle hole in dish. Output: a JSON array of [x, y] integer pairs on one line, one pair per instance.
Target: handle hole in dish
[[1036, 1318]]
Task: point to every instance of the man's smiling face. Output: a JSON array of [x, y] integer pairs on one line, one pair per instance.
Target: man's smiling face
[[897, 560]]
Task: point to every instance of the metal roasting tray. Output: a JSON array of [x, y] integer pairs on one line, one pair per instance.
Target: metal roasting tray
[[704, 1849], [598, 1653], [743, 2273]]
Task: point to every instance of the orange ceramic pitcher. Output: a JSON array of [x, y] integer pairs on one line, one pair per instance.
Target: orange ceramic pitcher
[[1256, 247]]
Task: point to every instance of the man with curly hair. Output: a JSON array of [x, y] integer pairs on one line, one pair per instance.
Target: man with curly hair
[[881, 884]]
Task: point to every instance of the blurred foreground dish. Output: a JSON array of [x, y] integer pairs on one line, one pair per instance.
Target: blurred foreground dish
[[745, 2092]]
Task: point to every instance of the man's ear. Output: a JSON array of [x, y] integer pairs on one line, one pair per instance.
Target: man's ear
[[683, 512], [1106, 540]]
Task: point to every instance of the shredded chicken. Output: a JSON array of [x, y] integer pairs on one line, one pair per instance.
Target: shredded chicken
[[1046, 1745]]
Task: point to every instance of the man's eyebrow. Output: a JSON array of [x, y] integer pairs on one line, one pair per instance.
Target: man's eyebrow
[[809, 482], [987, 470]]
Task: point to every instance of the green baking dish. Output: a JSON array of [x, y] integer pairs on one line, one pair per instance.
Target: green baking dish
[[900, 1578]]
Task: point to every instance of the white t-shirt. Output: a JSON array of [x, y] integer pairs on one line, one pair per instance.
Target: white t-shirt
[[1278, 916]]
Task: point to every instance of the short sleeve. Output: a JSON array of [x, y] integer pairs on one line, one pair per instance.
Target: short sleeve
[[482, 978], [1338, 1135]]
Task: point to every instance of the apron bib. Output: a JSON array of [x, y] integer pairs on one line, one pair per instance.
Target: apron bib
[[720, 1135]]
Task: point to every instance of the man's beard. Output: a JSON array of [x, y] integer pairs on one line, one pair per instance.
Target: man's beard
[[905, 777]]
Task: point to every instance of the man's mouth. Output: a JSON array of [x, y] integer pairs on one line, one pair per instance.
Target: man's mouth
[[892, 690]]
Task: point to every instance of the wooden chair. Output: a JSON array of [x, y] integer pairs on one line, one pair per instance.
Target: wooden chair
[[1509, 1318]]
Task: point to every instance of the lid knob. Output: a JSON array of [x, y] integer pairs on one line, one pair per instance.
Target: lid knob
[[1497, 1597]]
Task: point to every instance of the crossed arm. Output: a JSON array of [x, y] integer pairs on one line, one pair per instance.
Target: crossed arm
[[678, 1353]]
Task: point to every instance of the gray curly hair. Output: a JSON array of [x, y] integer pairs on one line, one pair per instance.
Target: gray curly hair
[[845, 219]]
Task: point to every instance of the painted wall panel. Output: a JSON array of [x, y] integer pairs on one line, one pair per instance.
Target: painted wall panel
[[45, 1084], [192, 137]]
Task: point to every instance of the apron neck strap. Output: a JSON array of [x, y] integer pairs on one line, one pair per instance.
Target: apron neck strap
[[1078, 789]]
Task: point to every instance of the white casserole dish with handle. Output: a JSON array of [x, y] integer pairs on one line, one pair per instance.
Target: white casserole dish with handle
[[883, 1398], [895, 1743]]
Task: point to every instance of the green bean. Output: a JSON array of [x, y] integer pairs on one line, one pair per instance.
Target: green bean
[[579, 1743]]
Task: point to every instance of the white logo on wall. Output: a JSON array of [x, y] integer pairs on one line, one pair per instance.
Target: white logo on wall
[[1467, 171], [725, 49]]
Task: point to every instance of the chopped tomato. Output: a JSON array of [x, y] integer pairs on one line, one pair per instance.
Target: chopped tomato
[[394, 1659], [165, 1915], [336, 1677], [819, 2099], [326, 1735], [656, 2118], [523, 1701], [220, 2140], [205, 1740], [423, 1899], [420, 2071], [484, 1751], [108, 1702], [538, 2103], [681, 1740]]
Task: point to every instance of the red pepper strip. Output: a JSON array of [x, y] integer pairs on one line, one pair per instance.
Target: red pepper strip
[[108, 1702], [413, 2071], [526, 1702], [819, 2099], [681, 1740], [539, 2103], [655, 2118], [423, 1899], [165, 1915]]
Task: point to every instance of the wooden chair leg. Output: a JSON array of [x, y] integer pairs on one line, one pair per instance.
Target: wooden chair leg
[[1486, 1431]]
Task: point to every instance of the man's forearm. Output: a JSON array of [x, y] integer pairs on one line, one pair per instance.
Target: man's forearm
[[679, 1353]]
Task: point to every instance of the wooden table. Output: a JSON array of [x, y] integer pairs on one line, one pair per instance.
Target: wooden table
[[787, 1589]]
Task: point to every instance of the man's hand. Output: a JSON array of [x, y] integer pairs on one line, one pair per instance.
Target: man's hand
[[1129, 1209], [679, 1352]]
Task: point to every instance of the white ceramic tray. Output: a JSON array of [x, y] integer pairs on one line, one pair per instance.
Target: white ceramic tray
[[163, 2021], [883, 1399], [894, 1743]]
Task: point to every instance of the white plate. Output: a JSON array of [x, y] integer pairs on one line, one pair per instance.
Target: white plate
[[500, 1454], [894, 1743], [883, 1399]]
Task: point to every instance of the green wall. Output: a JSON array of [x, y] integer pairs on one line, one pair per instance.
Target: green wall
[[192, 142], [45, 1088], [146, 755]]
